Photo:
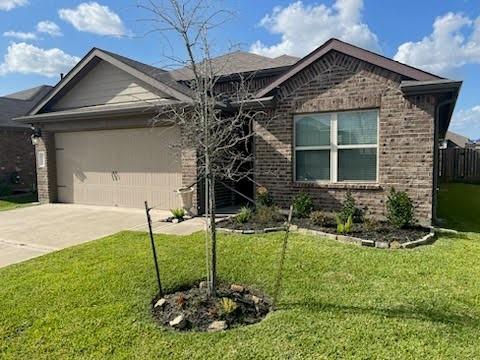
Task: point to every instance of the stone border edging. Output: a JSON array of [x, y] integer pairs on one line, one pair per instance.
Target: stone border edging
[[427, 239], [250, 232]]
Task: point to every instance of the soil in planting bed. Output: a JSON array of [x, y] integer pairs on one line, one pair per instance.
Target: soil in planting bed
[[193, 310], [383, 232]]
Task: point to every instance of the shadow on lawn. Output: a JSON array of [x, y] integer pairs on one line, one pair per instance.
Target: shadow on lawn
[[418, 312]]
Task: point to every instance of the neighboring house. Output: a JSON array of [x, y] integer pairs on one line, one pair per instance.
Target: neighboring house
[[454, 140], [341, 118], [17, 154]]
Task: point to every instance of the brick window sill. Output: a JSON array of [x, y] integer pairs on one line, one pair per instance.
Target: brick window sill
[[338, 186]]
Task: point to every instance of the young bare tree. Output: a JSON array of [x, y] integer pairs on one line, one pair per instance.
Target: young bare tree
[[217, 125]]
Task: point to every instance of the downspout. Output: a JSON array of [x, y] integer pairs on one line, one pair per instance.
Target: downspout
[[436, 150]]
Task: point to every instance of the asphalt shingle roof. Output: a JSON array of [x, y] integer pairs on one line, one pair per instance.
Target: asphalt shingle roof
[[238, 62], [19, 104]]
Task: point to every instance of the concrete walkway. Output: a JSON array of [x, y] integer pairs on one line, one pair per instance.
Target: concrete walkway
[[33, 231]]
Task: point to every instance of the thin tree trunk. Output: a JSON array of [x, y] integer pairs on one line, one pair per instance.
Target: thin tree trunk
[[213, 243]]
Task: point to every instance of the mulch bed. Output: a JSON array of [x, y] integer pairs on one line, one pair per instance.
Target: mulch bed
[[384, 232], [199, 311]]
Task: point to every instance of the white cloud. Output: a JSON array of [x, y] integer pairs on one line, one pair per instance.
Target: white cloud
[[467, 121], [28, 59], [305, 27], [94, 18], [49, 27], [449, 46], [8, 5], [20, 35]]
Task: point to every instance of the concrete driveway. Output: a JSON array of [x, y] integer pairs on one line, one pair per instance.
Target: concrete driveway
[[33, 231]]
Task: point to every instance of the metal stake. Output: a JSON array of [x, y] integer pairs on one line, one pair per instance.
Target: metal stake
[[149, 220]]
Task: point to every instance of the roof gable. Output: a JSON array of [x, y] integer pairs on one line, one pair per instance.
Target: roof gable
[[154, 77], [353, 51], [106, 84]]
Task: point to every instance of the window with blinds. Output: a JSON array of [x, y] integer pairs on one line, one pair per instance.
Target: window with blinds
[[336, 147]]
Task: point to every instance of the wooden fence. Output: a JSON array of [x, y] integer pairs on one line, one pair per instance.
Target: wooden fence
[[460, 165]]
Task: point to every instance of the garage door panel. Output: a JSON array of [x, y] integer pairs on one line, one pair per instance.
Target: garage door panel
[[145, 163]]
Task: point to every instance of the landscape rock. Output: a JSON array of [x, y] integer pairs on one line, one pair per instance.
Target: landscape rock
[[217, 326], [395, 244], [237, 288], [256, 299], [179, 322], [160, 303], [203, 285], [369, 243], [381, 244]]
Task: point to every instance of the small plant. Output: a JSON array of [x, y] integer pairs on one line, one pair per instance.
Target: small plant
[[244, 215], [263, 197], [226, 306], [5, 189], [371, 224], [266, 214], [302, 205], [344, 227], [349, 208], [320, 218], [400, 209], [181, 300], [178, 213]]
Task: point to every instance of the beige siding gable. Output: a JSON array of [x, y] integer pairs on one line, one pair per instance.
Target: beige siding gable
[[106, 84]]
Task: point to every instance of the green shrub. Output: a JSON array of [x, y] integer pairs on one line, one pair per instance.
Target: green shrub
[[263, 197], [344, 227], [5, 189], [400, 209], [302, 205], [349, 208], [320, 218], [244, 215], [178, 213], [266, 214]]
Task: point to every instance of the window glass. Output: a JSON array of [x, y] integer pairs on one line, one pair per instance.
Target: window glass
[[357, 164], [313, 130], [356, 128], [312, 165]]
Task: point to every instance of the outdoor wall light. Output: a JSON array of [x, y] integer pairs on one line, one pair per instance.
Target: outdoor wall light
[[37, 134]]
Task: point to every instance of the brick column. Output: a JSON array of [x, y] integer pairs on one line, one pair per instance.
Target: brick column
[[46, 168]]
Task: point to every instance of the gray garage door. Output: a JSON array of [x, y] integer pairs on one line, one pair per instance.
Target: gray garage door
[[119, 167]]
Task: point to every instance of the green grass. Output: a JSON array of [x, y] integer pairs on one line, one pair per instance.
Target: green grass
[[14, 202], [339, 301], [459, 206]]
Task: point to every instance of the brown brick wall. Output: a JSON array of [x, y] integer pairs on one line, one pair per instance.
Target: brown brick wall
[[17, 155], [338, 82], [47, 175]]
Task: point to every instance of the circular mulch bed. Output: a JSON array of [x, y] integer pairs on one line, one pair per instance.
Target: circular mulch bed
[[193, 310]]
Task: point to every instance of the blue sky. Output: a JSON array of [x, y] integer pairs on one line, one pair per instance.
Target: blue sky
[[41, 38]]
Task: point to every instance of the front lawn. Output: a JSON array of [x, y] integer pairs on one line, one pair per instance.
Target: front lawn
[[13, 202], [459, 206], [340, 301]]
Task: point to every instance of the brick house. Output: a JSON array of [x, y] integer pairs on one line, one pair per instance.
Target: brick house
[[17, 154], [341, 118]]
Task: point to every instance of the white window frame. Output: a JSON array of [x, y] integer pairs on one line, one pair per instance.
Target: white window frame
[[334, 147]]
